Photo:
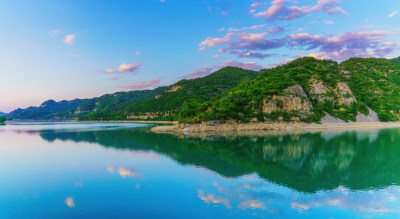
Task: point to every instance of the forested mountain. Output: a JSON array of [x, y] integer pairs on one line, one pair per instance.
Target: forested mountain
[[166, 104], [110, 106], [307, 89], [161, 103], [47, 110]]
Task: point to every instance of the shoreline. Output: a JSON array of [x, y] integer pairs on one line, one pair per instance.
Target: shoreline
[[129, 121], [203, 127]]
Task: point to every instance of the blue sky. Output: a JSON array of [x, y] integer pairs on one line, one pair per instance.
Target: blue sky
[[81, 49]]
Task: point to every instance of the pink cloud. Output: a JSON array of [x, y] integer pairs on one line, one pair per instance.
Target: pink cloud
[[344, 46], [128, 68], [142, 85], [123, 68], [278, 10], [242, 44], [253, 6], [255, 27], [211, 42], [392, 14], [252, 37], [337, 47], [110, 70], [69, 39]]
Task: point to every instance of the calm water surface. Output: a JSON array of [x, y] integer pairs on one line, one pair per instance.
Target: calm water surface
[[101, 170]]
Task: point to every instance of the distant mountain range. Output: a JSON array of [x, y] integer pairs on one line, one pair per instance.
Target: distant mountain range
[[3, 114], [305, 90], [159, 104], [47, 110]]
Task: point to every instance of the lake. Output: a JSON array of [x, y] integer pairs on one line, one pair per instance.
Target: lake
[[112, 170]]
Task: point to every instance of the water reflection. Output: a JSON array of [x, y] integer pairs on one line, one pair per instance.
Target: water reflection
[[306, 162], [263, 174]]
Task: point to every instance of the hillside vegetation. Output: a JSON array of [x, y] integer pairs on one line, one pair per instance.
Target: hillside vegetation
[[307, 89], [166, 104], [110, 106], [162, 103], [47, 110]]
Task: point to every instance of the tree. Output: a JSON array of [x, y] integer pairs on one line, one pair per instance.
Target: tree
[[2, 119]]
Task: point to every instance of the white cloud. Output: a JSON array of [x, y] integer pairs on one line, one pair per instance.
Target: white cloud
[[392, 14], [69, 39]]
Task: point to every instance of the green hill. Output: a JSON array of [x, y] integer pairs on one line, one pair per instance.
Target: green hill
[[161, 103], [307, 89], [47, 110], [110, 106], [167, 103]]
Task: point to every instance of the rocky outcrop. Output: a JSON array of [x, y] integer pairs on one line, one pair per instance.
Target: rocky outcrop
[[296, 89], [318, 90], [174, 88], [296, 102], [345, 96], [317, 87], [286, 103]]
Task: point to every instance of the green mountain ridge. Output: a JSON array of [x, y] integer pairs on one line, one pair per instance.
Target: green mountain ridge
[[308, 89], [162, 103], [305, 90], [47, 110]]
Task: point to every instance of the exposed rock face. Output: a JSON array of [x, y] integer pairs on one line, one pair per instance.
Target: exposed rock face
[[174, 88], [296, 89], [286, 103], [318, 90], [345, 95], [317, 87]]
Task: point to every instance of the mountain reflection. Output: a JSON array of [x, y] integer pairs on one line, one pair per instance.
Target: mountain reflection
[[306, 162]]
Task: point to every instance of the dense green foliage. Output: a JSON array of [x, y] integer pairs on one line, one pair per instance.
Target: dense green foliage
[[2, 119], [322, 87], [111, 106], [167, 103], [375, 83], [162, 103], [47, 110]]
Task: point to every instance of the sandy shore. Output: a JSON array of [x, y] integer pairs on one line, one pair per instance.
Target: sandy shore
[[204, 127]]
